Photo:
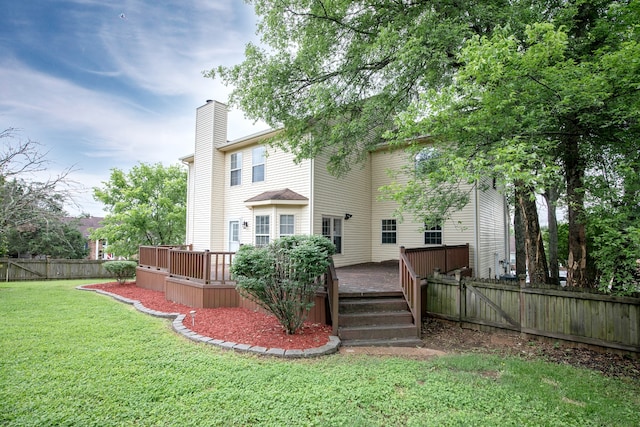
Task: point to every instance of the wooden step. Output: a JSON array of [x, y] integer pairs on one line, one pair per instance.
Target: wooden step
[[371, 305], [376, 332], [395, 294], [394, 342], [402, 317]]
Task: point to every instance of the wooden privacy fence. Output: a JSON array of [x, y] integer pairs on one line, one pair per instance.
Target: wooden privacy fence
[[17, 269], [549, 311]]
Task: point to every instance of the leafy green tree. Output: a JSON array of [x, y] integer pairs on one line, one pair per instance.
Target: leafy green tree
[[147, 206], [524, 91], [282, 277], [54, 237], [534, 108], [25, 203]]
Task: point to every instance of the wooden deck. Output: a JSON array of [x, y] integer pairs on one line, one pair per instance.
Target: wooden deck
[[369, 278]]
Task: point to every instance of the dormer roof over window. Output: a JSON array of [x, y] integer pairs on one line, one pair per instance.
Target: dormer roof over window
[[277, 197]]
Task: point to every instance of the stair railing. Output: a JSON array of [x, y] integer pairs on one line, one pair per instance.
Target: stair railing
[[331, 284], [410, 284]]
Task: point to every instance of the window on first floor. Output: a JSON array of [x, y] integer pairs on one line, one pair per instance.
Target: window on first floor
[[332, 230], [389, 230], [262, 230], [286, 225], [433, 235]]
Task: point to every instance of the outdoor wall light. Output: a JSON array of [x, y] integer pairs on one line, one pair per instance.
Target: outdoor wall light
[[347, 216], [193, 317], [245, 224]]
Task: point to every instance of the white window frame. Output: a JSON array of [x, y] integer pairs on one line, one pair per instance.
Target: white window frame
[[389, 230], [235, 163], [333, 233], [290, 225], [258, 163], [262, 230], [433, 235]]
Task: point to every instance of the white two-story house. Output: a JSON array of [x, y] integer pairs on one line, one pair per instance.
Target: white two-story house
[[244, 192]]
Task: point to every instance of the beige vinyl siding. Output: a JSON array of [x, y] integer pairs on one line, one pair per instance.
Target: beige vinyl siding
[[459, 229], [280, 172], [408, 232], [211, 128], [335, 197], [493, 228], [190, 201]]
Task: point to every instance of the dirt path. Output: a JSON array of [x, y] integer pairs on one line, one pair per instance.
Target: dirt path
[[441, 337]]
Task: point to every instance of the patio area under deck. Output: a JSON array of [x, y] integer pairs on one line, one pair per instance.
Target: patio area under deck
[[374, 278]]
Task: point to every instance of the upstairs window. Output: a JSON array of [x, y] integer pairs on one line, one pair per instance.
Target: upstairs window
[[236, 169], [257, 171], [389, 230], [433, 235], [332, 230], [286, 225]]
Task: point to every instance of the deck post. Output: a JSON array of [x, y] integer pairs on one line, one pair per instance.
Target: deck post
[[207, 267]]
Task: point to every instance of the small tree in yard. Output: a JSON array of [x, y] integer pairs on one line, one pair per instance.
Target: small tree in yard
[[122, 270], [281, 277]]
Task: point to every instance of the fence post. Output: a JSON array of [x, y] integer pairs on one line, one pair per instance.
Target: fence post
[[446, 260], [522, 279], [462, 299]]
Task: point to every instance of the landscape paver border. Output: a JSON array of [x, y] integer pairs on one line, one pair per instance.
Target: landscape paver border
[[330, 347]]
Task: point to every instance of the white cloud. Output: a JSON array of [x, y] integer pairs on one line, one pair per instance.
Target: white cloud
[[158, 53]]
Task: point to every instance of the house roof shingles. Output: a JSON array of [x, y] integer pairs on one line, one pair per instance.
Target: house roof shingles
[[285, 196]]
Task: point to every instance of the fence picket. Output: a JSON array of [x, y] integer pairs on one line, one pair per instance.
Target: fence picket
[[585, 317]]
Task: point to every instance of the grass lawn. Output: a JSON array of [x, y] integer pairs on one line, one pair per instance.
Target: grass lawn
[[77, 358]]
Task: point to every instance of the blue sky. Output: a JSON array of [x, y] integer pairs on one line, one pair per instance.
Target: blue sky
[[109, 84]]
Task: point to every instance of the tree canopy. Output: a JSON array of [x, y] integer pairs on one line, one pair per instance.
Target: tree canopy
[[540, 95], [146, 206], [31, 210]]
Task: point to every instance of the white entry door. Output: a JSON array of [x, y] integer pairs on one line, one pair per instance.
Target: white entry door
[[234, 236]]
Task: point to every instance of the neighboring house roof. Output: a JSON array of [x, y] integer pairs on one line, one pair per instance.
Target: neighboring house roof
[[277, 197], [86, 223]]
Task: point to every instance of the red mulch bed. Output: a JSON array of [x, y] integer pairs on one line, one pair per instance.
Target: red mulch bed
[[235, 324]]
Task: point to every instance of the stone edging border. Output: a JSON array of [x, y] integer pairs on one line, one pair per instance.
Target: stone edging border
[[329, 348]]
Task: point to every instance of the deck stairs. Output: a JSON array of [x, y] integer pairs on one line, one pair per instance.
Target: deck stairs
[[376, 319]]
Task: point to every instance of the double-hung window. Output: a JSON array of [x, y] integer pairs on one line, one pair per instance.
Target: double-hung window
[[262, 230], [433, 235], [332, 230], [257, 171], [236, 169], [286, 225], [389, 230]]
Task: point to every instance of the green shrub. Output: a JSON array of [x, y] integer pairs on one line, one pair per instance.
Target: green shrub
[[281, 277], [122, 270]]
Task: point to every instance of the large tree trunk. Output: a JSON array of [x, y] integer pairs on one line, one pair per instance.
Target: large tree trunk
[[551, 197], [536, 258], [574, 173]]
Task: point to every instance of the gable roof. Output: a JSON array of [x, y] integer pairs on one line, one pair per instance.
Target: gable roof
[[277, 197], [85, 224]]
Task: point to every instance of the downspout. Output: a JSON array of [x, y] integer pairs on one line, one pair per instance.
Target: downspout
[[312, 166], [507, 235], [476, 252]]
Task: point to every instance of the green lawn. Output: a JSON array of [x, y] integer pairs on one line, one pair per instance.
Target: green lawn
[[70, 357]]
